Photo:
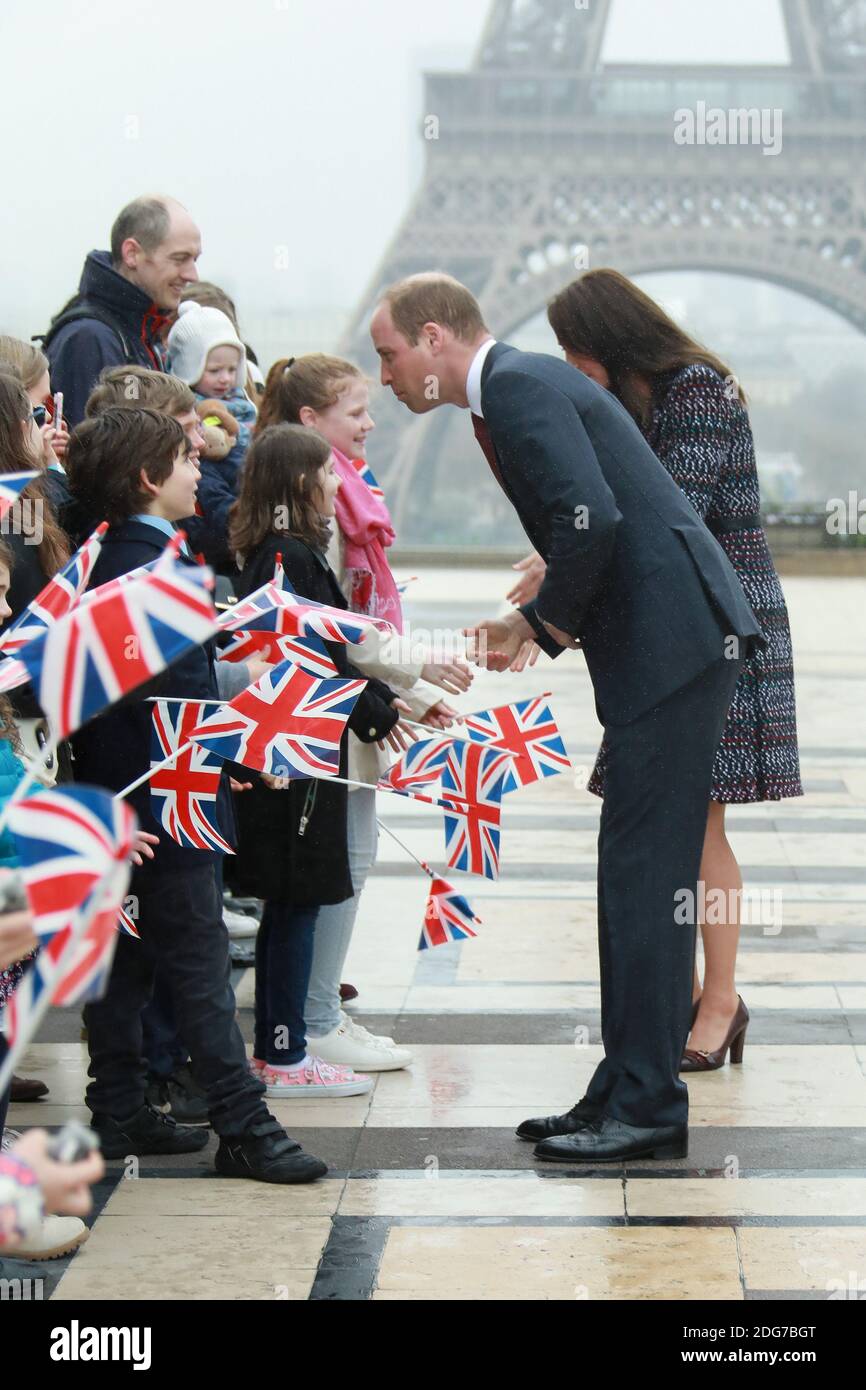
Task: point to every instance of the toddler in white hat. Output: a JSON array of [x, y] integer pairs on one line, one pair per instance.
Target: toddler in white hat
[[205, 351]]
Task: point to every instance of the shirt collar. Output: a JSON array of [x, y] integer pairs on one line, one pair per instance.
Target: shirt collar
[[167, 527], [473, 379]]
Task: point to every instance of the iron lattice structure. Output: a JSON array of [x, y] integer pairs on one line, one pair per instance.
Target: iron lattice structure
[[540, 158]]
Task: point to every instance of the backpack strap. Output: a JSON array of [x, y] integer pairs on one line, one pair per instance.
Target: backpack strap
[[84, 310]]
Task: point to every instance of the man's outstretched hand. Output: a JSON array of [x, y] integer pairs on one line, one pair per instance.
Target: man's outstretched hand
[[496, 642]]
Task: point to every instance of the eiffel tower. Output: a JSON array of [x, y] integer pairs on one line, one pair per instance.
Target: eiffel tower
[[541, 161]]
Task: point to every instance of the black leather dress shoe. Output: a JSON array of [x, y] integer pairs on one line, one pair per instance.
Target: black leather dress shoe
[[550, 1125], [607, 1140]]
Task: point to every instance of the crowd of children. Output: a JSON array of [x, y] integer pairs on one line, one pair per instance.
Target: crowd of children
[[251, 471]]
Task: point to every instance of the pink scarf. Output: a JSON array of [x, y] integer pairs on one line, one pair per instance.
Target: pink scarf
[[367, 532]]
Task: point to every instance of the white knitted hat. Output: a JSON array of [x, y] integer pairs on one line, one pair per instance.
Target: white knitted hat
[[197, 331]]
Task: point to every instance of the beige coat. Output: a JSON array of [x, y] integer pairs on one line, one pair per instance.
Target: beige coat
[[366, 762]]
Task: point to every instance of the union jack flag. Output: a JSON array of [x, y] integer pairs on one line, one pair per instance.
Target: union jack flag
[[67, 839], [184, 794], [529, 731], [86, 965], [12, 674], [74, 961], [289, 724], [307, 652], [31, 996], [102, 650], [289, 614], [419, 766], [11, 484], [161, 563], [472, 788], [57, 598], [447, 917], [365, 472]]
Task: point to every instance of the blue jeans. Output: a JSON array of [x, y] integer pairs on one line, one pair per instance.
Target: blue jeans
[[335, 924], [284, 956]]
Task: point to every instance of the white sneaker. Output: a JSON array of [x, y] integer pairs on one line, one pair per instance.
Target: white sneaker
[[359, 1031], [350, 1045], [315, 1078], [239, 925], [58, 1235]]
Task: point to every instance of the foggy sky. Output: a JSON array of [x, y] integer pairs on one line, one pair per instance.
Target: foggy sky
[[279, 123]]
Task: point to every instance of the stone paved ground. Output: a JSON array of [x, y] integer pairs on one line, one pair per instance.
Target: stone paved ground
[[430, 1195]]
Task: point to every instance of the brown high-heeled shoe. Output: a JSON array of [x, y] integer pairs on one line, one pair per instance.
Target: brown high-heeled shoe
[[711, 1061]]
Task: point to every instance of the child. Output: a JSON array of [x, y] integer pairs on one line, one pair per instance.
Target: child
[[47, 1237], [293, 840], [331, 396], [133, 467], [170, 1080], [206, 352]]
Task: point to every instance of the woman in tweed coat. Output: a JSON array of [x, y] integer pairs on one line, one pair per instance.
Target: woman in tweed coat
[[692, 412]]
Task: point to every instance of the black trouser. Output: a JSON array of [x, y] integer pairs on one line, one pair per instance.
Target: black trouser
[[658, 777], [180, 921]]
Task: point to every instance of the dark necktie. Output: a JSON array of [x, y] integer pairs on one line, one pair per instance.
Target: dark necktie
[[482, 434]]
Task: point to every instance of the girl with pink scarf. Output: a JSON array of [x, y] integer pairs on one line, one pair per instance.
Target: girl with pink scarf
[[331, 395]]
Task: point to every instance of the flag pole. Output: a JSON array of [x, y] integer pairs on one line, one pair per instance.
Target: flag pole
[[44, 1001], [420, 862]]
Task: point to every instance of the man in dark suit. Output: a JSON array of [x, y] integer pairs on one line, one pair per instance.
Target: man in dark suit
[[635, 579]]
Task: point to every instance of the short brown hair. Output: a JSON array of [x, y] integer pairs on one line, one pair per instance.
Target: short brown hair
[[434, 297], [107, 453], [131, 387], [146, 219], [281, 469], [316, 380]]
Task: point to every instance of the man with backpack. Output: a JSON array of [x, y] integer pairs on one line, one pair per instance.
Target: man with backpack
[[125, 298]]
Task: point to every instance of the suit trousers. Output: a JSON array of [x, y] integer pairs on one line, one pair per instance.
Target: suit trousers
[[651, 836], [182, 932]]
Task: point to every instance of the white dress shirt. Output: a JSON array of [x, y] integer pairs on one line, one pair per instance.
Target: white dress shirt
[[473, 379]]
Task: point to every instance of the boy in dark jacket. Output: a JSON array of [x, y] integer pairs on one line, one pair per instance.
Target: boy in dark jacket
[[133, 468]]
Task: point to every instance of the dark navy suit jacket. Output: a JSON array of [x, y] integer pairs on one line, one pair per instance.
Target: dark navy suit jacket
[[632, 571]]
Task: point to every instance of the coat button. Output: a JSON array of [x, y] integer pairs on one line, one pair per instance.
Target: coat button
[[372, 733]]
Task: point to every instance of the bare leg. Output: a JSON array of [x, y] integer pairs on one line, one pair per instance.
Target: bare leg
[[720, 874]]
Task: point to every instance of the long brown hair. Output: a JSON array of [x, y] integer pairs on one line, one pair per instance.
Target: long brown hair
[[316, 380], [280, 483], [8, 727], [23, 358], [16, 457], [605, 316]]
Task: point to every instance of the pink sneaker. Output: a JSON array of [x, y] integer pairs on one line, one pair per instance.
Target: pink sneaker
[[256, 1066], [314, 1078]]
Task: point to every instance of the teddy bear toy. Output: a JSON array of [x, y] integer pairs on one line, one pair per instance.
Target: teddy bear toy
[[219, 428]]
